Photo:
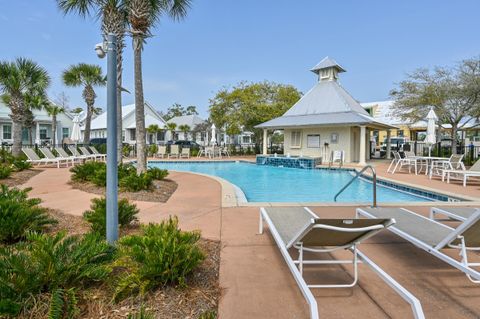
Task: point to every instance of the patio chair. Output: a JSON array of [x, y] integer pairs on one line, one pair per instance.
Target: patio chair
[[337, 157], [299, 228], [48, 154], [455, 213], [76, 153], [96, 152], [402, 162], [432, 236], [35, 159], [86, 152], [61, 152], [224, 151], [185, 152], [162, 151], [174, 151], [453, 163], [462, 174]]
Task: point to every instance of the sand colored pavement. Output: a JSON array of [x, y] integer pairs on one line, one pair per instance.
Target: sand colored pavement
[[256, 282]]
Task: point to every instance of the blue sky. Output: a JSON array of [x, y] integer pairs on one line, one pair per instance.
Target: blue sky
[[223, 42]]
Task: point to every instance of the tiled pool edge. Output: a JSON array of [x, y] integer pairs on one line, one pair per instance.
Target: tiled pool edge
[[233, 196]]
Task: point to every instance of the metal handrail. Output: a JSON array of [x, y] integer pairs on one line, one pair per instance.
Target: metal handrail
[[374, 181]]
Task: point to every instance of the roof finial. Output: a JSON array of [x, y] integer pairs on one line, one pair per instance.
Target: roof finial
[[327, 69]]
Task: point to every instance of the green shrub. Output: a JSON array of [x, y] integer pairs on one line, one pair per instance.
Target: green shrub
[[162, 255], [157, 173], [97, 215], [152, 149], [63, 304], [5, 171], [135, 183], [208, 315], [99, 178], [20, 215], [6, 157], [126, 170], [85, 172], [21, 164], [46, 263]]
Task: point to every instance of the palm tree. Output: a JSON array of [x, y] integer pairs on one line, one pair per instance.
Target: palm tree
[[20, 81], [154, 129], [185, 129], [54, 110], [113, 14], [143, 15], [171, 127], [88, 76]]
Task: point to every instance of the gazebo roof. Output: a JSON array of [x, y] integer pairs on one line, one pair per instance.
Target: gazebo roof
[[327, 103]]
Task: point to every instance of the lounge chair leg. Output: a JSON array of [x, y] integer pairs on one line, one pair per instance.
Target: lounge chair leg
[[300, 258], [260, 224], [463, 254]]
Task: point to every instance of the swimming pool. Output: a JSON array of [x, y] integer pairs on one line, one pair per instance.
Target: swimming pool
[[278, 184]]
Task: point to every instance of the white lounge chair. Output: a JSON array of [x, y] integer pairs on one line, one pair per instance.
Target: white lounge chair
[[433, 237], [337, 157], [87, 153], [462, 174], [456, 213], [48, 154], [62, 153], [35, 159], [77, 154], [162, 151], [453, 163], [185, 152], [174, 151], [96, 152], [299, 228]]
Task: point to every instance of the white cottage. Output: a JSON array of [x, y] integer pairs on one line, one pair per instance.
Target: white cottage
[[325, 119]]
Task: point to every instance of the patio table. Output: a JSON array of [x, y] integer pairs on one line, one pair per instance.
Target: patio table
[[428, 161]]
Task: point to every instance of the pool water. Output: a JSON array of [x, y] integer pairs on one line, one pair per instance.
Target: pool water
[[262, 183]]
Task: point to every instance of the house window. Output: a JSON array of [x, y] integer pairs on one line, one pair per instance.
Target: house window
[[24, 134], [43, 132], [295, 140], [160, 136], [132, 135], [123, 136], [246, 139], [334, 138], [65, 132], [7, 132], [313, 140]]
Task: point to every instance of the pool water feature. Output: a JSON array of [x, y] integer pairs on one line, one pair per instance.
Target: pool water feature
[[280, 184]]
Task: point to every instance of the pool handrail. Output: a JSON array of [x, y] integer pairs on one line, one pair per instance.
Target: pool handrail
[[374, 181]]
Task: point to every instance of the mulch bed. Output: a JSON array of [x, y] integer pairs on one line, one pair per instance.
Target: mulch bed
[[199, 299], [161, 192], [19, 178]]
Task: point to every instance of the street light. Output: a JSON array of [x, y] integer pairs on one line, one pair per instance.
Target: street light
[[109, 48]]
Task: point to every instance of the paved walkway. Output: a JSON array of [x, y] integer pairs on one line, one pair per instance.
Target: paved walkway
[[255, 281]]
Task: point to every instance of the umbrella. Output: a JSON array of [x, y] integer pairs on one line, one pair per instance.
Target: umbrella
[[431, 137], [213, 141], [75, 137]]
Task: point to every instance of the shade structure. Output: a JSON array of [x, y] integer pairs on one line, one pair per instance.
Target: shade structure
[[213, 141], [431, 138], [76, 135]]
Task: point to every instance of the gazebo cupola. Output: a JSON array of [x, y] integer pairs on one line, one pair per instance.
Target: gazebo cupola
[[327, 69]]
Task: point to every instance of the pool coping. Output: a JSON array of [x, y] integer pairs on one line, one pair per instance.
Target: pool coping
[[233, 196]]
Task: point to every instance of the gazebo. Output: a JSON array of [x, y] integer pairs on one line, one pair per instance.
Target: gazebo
[[325, 119]]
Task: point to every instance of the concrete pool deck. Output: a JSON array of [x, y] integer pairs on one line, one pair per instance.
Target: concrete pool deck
[[256, 282]]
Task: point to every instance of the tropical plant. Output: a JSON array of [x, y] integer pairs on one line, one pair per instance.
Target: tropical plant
[[20, 81], [45, 263], [54, 110], [143, 15], [5, 171], [113, 14], [185, 129], [136, 182], [171, 126], [20, 164], [87, 76], [97, 215], [20, 215], [63, 304], [162, 255], [154, 129], [157, 173], [84, 172]]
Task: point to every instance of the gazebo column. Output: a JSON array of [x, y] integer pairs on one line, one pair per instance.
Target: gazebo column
[[389, 144], [363, 145], [265, 135]]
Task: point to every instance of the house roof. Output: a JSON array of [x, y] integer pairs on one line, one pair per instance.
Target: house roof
[[190, 120], [327, 103], [149, 120]]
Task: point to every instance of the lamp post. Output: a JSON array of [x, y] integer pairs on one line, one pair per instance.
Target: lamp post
[[112, 169]]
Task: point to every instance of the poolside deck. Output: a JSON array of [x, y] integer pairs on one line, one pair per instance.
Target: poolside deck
[[255, 280]]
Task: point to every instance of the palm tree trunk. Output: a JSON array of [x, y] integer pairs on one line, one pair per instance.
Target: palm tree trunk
[[88, 121], [17, 137], [54, 130], [139, 105]]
